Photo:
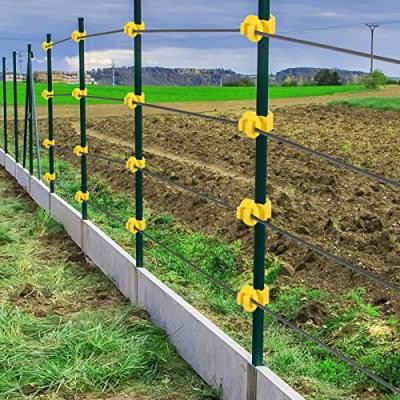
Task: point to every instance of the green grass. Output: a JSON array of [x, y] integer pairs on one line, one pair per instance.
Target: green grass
[[348, 321], [377, 103], [65, 330], [162, 94], [356, 327]]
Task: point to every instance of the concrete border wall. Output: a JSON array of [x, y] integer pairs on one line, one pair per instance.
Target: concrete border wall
[[218, 359]]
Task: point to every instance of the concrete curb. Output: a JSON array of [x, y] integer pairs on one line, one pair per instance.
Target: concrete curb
[[218, 359]]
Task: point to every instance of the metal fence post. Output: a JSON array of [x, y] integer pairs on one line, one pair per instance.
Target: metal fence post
[[26, 116], [138, 132], [261, 176], [82, 104], [30, 109], [16, 150], [5, 106], [50, 110]]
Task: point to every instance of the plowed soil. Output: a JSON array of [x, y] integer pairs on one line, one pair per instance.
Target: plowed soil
[[350, 216]]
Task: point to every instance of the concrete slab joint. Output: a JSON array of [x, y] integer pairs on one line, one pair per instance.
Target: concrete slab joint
[[23, 178], [2, 157], [40, 193], [215, 356], [10, 164]]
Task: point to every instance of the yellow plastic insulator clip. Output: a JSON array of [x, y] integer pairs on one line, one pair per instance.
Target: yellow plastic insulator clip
[[79, 93], [47, 45], [48, 177], [77, 36], [80, 197], [47, 143], [131, 29], [250, 122], [79, 150], [133, 164], [131, 99], [252, 24], [134, 225], [249, 208], [47, 95], [248, 294]]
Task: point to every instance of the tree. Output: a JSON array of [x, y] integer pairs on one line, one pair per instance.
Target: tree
[[326, 77], [374, 80]]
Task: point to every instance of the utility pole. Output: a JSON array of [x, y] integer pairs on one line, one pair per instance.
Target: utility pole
[[372, 28], [20, 63], [113, 72]]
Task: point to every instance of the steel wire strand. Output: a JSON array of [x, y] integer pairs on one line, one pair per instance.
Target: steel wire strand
[[330, 47], [280, 318], [332, 160], [173, 30], [330, 349], [172, 252], [336, 259], [319, 250], [190, 30], [105, 98], [105, 33], [161, 178], [280, 139], [61, 41]]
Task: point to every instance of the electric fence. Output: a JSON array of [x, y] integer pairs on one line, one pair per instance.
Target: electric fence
[[257, 126]]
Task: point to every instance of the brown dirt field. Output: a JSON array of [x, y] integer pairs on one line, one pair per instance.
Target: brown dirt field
[[351, 216]]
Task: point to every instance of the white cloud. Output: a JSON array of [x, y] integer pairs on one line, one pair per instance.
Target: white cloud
[[329, 14], [243, 60], [100, 59]]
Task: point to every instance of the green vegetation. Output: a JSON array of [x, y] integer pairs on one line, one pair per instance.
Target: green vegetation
[[377, 103], [345, 320], [64, 328], [327, 77], [162, 94], [374, 80]]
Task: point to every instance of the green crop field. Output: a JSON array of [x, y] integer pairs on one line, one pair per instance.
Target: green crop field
[[163, 94], [378, 103]]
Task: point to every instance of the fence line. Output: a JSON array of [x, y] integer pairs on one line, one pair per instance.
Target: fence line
[[258, 126]]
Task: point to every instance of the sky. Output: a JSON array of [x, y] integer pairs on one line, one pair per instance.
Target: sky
[[30, 21]]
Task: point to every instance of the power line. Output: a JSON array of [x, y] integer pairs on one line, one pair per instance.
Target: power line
[[6, 38], [323, 28]]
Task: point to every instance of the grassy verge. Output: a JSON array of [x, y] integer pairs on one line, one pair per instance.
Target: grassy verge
[[377, 103], [360, 330], [162, 94], [65, 330]]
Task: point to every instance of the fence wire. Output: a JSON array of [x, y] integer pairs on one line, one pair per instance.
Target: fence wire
[[276, 138], [276, 316], [317, 249]]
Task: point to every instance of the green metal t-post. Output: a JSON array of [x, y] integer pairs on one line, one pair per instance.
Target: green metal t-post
[[138, 133], [16, 150], [50, 109], [82, 86], [261, 175], [5, 106], [30, 109], [26, 116]]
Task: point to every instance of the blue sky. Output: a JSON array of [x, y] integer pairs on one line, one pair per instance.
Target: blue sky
[[32, 20]]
